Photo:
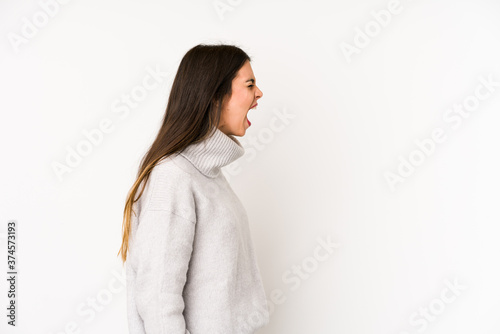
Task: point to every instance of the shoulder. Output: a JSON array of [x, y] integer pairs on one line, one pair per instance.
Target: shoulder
[[172, 189], [169, 170]]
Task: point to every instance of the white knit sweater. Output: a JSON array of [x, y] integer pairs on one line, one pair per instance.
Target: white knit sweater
[[191, 266]]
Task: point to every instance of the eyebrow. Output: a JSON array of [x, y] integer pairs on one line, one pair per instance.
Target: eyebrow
[[252, 80]]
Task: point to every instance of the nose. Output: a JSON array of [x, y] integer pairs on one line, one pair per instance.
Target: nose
[[258, 93]]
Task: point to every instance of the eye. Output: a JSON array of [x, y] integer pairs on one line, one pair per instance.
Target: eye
[[251, 86]]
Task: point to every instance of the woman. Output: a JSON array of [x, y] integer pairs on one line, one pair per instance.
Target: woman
[[191, 266]]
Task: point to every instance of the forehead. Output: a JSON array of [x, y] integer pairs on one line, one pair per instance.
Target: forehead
[[245, 73]]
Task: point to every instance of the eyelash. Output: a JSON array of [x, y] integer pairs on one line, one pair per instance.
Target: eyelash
[[250, 86]]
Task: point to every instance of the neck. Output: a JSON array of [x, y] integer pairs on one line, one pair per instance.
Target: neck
[[213, 153]]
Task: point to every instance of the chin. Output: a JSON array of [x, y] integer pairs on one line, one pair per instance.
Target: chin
[[239, 133]]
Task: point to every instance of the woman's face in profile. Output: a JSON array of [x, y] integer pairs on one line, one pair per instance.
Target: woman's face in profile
[[245, 94]]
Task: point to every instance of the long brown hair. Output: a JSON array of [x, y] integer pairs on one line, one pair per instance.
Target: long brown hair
[[202, 83]]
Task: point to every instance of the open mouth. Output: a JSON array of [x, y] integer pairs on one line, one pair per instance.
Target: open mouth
[[248, 121]]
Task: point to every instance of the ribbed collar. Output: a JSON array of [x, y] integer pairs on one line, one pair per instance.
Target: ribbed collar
[[213, 153]]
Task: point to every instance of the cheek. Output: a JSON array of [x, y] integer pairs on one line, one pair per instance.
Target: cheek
[[240, 104], [245, 98]]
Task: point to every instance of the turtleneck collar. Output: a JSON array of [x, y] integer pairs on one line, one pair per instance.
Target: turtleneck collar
[[215, 152]]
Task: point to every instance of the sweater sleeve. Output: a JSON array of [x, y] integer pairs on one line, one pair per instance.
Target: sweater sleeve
[[166, 246]]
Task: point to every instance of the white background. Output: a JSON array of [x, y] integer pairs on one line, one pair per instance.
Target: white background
[[317, 174]]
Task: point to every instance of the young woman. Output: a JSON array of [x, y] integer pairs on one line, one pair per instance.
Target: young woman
[[191, 266]]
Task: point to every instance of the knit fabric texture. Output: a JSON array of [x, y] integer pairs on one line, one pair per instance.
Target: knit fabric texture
[[191, 266]]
